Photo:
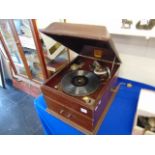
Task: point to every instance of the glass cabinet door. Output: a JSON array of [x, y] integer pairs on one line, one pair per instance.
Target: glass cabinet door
[[2, 50], [25, 35], [12, 46]]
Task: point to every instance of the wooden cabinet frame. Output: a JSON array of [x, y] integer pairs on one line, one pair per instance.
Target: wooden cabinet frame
[[39, 48], [20, 49], [8, 54]]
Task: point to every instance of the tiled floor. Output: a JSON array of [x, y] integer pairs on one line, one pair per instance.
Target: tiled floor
[[17, 113]]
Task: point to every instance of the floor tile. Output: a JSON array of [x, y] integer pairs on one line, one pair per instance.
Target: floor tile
[[29, 113], [11, 121], [17, 96], [17, 113]]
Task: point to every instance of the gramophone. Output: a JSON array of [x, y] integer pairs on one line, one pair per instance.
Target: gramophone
[[81, 93]]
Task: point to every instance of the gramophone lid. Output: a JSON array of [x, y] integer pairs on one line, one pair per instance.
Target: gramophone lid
[[83, 39]]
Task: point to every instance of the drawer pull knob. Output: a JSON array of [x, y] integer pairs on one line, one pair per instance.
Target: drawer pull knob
[[61, 111], [69, 116]]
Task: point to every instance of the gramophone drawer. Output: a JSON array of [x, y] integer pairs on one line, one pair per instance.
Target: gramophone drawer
[[73, 116], [67, 102]]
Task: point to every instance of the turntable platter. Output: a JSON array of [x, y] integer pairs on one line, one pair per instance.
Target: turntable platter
[[80, 83]]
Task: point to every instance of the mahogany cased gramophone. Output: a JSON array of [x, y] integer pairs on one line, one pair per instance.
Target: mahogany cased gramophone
[[80, 94]]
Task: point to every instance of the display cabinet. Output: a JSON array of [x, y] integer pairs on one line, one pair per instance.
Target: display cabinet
[[24, 48], [10, 44]]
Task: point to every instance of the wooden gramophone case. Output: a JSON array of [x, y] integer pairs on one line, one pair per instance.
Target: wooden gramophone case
[[91, 43]]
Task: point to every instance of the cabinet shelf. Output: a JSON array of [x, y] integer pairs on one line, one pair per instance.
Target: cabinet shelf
[[132, 32]]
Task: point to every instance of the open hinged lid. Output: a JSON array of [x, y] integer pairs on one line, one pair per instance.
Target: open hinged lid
[[88, 40]]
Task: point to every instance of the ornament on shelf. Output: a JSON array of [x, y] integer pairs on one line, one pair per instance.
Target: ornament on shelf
[[126, 24], [145, 24]]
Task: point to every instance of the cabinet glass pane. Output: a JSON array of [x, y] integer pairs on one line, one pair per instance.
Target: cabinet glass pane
[[26, 38], [2, 50], [12, 46]]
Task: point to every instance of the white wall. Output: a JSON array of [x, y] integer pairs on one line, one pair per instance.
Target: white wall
[[138, 58]]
